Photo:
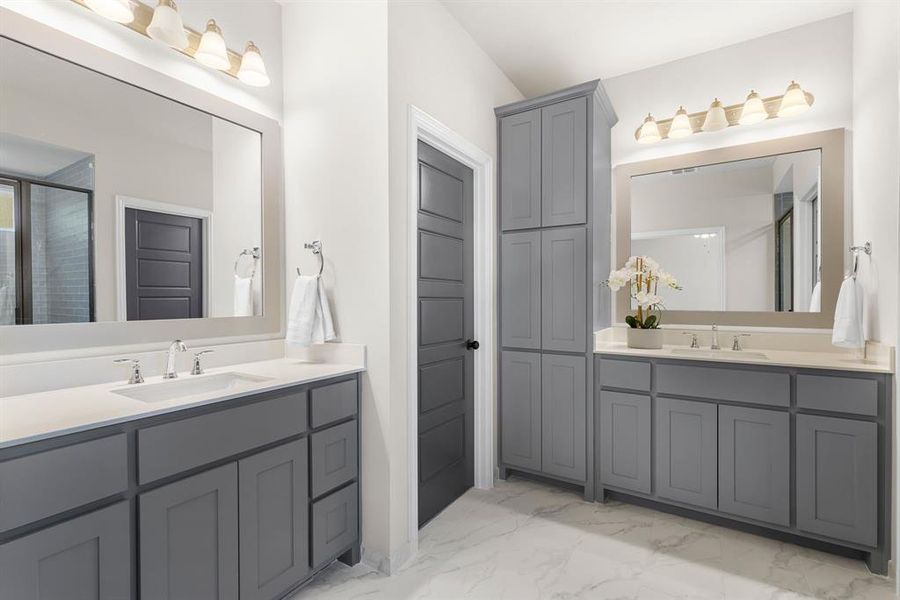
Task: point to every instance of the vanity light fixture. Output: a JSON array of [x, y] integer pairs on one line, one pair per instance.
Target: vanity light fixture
[[212, 51], [114, 10], [754, 109], [253, 69], [167, 26]]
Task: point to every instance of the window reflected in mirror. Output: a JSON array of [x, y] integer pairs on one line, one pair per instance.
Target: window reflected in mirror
[[739, 236]]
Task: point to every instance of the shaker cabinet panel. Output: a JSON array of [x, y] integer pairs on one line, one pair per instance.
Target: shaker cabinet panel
[[87, 558], [564, 163], [754, 463], [520, 290], [625, 440], [563, 416], [274, 521], [686, 447], [520, 170], [837, 482], [520, 409], [564, 290], [189, 538]]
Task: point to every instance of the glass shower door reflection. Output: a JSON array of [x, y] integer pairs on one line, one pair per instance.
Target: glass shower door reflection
[[9, 270]]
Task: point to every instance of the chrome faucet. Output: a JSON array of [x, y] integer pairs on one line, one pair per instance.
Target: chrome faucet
[[736, 345], [715, 338], [176, 346]]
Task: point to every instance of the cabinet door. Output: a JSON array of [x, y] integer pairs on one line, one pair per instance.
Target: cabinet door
[[836, 478], [520, 409], [274, 521], [564, 163], [754, 463], [563, 411], [520, 290], [564, 290], [520, 170], [87, 558], [625, 440], [686, 450], [189, 538]]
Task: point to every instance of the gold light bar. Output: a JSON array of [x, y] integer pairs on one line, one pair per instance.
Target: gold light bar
[[143, 14]]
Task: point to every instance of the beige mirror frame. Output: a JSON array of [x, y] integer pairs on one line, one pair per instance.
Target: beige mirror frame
[[833, 249], [72, 339]]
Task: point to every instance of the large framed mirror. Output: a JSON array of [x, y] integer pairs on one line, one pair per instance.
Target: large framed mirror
[[129, 200], [753, 233]]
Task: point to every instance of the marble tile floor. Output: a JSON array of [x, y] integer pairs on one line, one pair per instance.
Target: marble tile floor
[[525, 540]]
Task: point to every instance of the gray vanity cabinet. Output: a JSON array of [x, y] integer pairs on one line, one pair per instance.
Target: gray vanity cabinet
[[189, 538], [625, 440], [836, 478], [686, 440], [274, 520], [520, 410], [520, 170], [520, 282], [754, 463], [564, 163], [564, 289], [86, 558], [563, 431]]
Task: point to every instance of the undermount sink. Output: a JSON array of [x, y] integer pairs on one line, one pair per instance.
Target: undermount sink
[[183, 388], [730, 354]]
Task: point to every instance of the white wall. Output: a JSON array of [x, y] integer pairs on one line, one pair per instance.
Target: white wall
[[336, 190], [240, 20], [435, 65]]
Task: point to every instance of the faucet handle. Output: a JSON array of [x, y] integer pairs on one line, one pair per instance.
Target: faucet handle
[[736, 345], [695, 343], [198, 369], [136, 376]]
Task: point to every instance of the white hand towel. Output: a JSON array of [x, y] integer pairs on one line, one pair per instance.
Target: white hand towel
[[243, 296], [309, 317], [815, 299], [848, 316]]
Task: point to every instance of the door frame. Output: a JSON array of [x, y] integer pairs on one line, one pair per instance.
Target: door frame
[[123, 202], [424, 127]]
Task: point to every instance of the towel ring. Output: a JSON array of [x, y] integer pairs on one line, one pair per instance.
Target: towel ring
[[316, 247], [867, 248], [255, 253]]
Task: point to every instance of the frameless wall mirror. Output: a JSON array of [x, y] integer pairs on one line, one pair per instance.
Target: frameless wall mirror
[[753, 233], [119, 204], [741, 235]]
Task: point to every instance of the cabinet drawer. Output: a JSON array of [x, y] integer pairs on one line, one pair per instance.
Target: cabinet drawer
[[87, 557], [839, 394], [332, 403], [170, 448], [738, 385], [334, 457], [335, 524], [44, 484], [627, 374]]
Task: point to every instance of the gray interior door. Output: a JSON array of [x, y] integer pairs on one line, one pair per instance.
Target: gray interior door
[[163, 266], [445, 319]]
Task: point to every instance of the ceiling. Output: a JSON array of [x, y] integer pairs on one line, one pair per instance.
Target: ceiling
[[31, 158], [545, 45]]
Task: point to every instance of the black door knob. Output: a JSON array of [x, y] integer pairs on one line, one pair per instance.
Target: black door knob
[[472, 344]]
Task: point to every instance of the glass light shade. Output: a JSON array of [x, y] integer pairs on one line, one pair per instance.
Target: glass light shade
[[649, 132], [754, 110], [681, 125], [114, 10], [212, 51], [253, 69], [716, 119], [793, 102], [166, 26]]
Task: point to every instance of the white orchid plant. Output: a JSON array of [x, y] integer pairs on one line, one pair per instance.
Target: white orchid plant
[[643, 277]]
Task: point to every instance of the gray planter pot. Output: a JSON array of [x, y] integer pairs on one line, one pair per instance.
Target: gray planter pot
[[645, 339]]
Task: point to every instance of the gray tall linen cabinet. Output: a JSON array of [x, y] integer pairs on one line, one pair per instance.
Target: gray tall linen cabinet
[[554, 241]]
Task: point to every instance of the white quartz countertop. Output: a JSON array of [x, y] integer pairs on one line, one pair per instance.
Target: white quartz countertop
[[32, 417], [757, 356]]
